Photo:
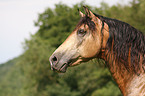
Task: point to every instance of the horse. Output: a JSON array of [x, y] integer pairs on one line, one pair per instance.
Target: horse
[[120, 45]]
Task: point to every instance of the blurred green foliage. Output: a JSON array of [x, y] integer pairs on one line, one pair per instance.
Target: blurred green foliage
[[30, 74]]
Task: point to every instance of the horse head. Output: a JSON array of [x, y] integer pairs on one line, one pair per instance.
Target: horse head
[[83, 44]]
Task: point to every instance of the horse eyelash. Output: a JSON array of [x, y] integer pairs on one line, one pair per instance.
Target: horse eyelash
[[81, 33]]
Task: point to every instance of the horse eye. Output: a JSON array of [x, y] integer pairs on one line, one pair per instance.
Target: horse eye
[[81, 32]]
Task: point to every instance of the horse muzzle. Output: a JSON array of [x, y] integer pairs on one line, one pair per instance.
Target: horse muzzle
[[58, 64]]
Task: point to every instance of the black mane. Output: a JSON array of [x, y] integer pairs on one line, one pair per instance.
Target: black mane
[[125, 36]]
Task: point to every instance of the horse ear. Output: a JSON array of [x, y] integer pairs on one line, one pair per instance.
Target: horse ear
[[81, 14], [89, 13]]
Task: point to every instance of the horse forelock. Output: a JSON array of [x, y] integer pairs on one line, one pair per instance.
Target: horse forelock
[[86, 20]]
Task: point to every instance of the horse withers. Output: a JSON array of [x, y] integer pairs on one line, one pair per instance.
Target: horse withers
[[119, 44]]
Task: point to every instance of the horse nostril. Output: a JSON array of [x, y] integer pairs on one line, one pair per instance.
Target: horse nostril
[[54, 59]]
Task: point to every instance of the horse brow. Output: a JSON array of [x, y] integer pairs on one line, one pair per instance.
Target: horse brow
[[86, 20]]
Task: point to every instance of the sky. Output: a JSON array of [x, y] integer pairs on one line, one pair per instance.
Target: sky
[[17, 21]]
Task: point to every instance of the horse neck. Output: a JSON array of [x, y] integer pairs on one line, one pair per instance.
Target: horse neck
[[127, 80]]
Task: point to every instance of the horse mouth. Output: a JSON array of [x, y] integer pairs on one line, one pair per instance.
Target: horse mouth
[[70, 63], [63, 68]]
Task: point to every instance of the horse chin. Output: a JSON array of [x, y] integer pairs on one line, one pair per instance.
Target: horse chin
[[78, 61], [75, 63], [60, 70]]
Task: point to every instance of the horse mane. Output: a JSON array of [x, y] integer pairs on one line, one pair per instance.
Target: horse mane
[[126, 41]]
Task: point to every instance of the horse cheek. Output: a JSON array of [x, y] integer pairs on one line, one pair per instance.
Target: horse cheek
[[90, 47]]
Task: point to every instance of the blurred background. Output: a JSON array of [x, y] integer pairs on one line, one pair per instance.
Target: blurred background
[[32, 29]]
